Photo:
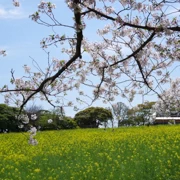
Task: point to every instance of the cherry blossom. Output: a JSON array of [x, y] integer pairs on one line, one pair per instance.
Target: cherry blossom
[[23, 118], [16, 3], [20, 126], [50, 121], [170, 99], [32, 140], [3, 52], [136, 48], [33, 117]]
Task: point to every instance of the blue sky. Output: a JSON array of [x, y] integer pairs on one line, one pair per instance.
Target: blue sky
[[21, 37]]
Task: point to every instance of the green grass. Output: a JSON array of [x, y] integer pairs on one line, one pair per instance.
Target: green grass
[[136, 153]]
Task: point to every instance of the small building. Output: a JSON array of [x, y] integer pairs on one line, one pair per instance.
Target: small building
[[166, 120]]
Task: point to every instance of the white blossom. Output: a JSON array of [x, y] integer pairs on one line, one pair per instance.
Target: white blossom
[[33, 130], [33, 116], [21, 126], [32, 141], [50, 121], [24, 118]]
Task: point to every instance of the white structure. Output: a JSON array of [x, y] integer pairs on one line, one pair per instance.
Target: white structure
[[166, 120]]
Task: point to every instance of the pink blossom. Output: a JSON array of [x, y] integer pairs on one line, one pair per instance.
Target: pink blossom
[[16, 3]]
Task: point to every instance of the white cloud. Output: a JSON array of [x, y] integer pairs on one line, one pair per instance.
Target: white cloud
[[15, 13]]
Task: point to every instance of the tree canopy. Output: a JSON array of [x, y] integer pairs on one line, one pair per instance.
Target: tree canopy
[[92, 117]]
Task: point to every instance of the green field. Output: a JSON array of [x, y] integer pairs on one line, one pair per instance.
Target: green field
[[133, 153]]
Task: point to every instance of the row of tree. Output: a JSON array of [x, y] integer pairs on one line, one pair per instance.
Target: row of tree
[[10, 121], [49, 120], [91, 117]]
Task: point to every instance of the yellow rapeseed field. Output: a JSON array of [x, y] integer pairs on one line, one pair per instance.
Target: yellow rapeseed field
[[127, 153]]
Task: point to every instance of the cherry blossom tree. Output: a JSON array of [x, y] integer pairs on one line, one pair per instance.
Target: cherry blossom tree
[[136, 48], [120, 111], [170, 100]]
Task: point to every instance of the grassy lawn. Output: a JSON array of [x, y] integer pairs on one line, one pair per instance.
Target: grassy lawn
[[133, 153]]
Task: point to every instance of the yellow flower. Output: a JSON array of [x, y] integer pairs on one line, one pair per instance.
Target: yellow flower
[[37, 170]]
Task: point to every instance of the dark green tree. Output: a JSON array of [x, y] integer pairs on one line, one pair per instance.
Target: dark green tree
[[67, 123], [55, 119], [8, 118], [92, 117]]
